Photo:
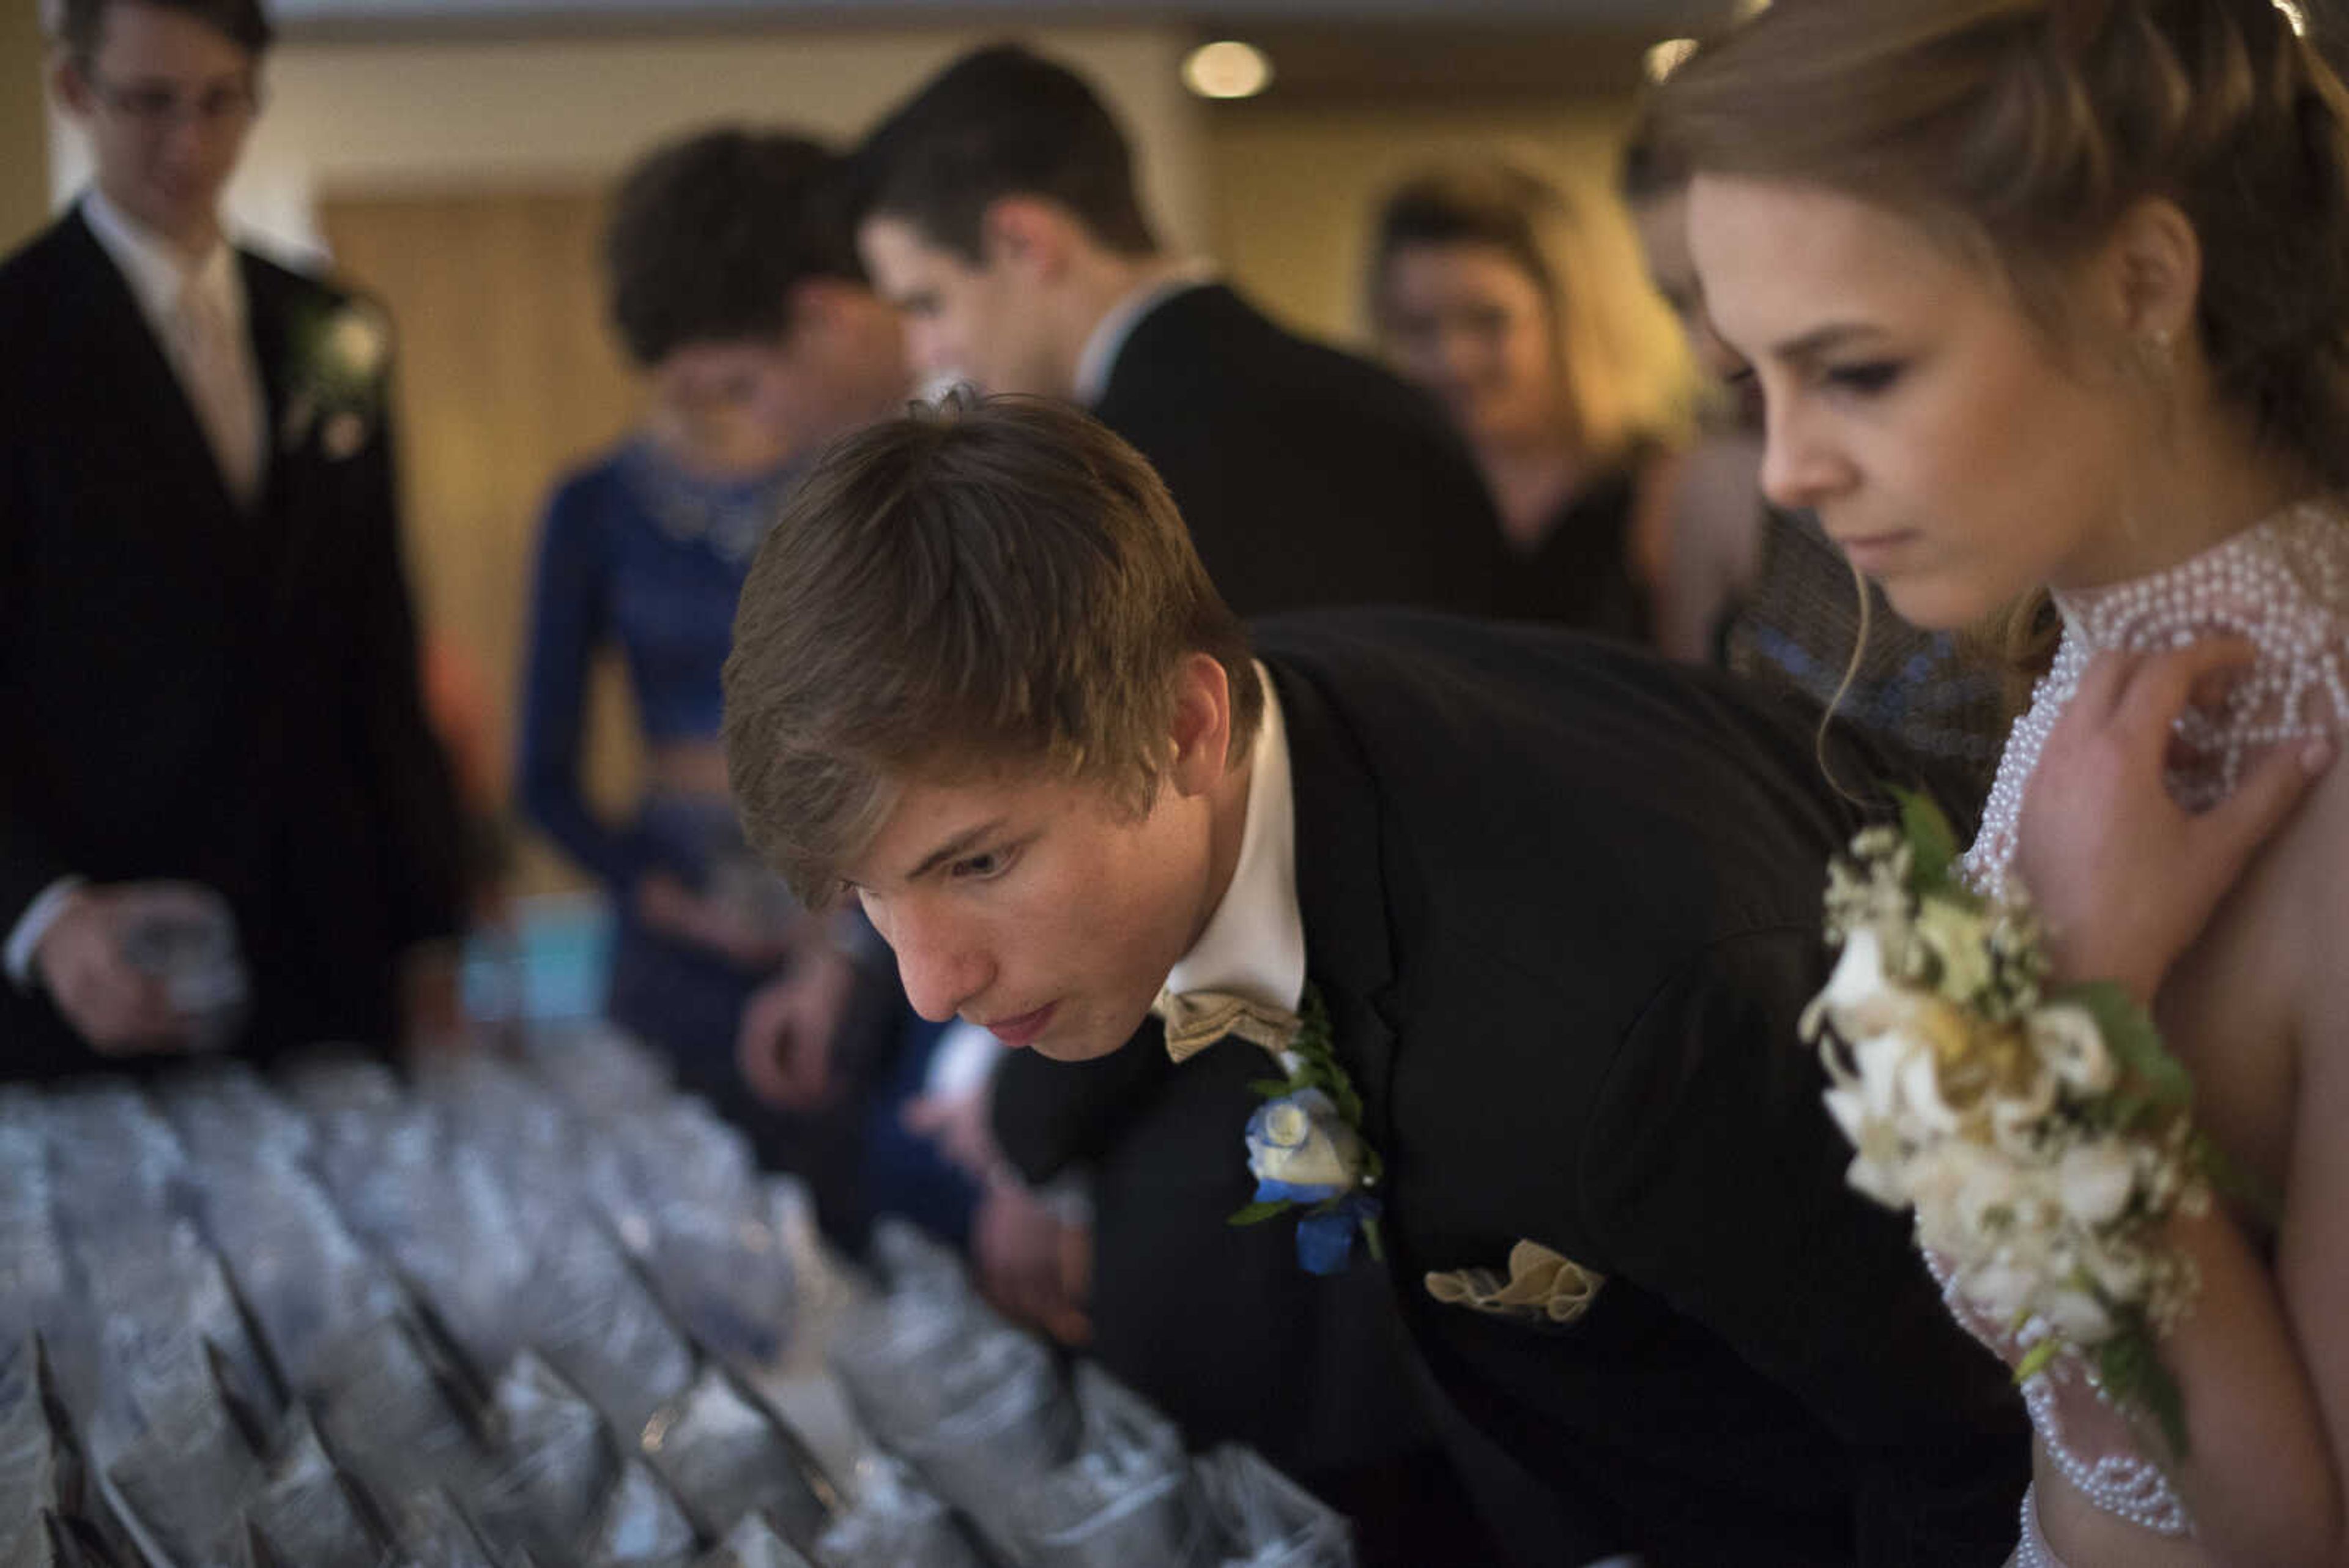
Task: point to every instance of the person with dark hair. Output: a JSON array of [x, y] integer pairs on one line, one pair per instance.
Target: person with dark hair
[[208, 657], [1478, 292], [1517, 923], [735, 288], [1000, 212], [2049, 300]]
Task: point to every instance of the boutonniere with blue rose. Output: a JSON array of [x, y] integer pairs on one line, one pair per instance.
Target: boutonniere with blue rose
[[336, 383], [1307, 1151]]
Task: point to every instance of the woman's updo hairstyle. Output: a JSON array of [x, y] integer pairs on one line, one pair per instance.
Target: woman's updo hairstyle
[[2022, 130]]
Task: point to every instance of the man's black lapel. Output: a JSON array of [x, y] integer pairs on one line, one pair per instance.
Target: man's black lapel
[[123, 352], [1341, 890]]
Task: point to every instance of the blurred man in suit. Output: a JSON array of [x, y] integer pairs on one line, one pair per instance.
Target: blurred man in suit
[[208, 666], [1001, 214]]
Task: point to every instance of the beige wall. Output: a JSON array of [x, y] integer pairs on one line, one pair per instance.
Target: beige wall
[[381, 119], [23, 141], [1293, 192]]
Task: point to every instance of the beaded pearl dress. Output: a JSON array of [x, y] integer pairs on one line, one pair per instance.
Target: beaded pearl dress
[[2281, 585]]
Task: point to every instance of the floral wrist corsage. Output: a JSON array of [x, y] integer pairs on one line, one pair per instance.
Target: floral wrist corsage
[[2042, 1135]]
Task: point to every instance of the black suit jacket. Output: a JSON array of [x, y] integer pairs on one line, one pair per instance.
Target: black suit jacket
[[1563, 903], [189, 689], [1307, 476]]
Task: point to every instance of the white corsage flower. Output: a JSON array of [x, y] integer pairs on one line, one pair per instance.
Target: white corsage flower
[[2042, 1138], [1301, 1142], [2097, 1180], [336, 382], [2067, 1039], [355, 346], [1955, 937]]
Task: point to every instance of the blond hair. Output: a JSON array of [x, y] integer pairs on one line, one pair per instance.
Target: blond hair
[[1616, 399], [993, 586]]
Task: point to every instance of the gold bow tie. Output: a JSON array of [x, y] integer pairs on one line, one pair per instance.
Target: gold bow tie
[[1198, 1019]]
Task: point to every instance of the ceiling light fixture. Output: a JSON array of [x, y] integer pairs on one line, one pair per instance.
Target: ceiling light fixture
[[1228, 69]]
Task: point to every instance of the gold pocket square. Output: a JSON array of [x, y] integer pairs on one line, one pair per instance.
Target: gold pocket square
[[1542, 1286]]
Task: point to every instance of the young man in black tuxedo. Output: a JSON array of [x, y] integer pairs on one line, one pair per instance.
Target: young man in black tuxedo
[[1559, 901], [1001, 213], [207, 652]]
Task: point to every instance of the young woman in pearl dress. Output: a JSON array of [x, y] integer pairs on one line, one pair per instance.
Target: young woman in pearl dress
[[2052, 297]]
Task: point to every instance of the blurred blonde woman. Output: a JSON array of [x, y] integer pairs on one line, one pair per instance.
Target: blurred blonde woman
[[1478, 293]]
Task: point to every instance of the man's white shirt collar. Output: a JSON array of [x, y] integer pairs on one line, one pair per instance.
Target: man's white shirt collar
[[1107, 340], [1254, 945], [157, 273]]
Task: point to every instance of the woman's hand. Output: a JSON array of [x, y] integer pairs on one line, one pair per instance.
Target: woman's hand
[[2123, 875]]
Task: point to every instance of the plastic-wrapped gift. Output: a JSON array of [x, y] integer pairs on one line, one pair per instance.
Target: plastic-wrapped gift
[[308, 1515], [895, 1522], [554, 1462], [434, 1533], [36, 1294], [339, 1091], [1126, 1501], [400, 1417], [643, 1525], [112, 1159], [306, 1279], [462, 1244], [192, 1463], [40, 1467], [226, 1116], [904, 1360], [728, 1455], [597, 1070], [753, 1543], [69, 1542], [596, 1322], [1268, 1521], [1004, 1418], [168, 1313]]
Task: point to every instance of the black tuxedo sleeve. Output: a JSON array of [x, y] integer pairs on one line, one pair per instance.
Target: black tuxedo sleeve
[[1049, 1116], [420, 842], [1718, 1182], [28, 862]]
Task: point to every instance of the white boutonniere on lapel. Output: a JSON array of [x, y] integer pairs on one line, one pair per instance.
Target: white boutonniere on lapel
[[336, 385]]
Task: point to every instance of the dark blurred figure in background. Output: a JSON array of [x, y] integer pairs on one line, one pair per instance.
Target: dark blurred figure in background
[[208, 657], [1000, 212], [1768, 595], [736, 290], [1475, 295]]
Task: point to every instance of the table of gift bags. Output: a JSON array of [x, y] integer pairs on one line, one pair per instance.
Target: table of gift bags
[[532, 1309]]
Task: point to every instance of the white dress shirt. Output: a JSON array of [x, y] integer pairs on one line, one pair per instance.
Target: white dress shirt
[[1254, 944]]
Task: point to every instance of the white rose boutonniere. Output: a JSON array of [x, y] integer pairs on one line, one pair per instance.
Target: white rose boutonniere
[[1307, 1152], [336, 387]]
